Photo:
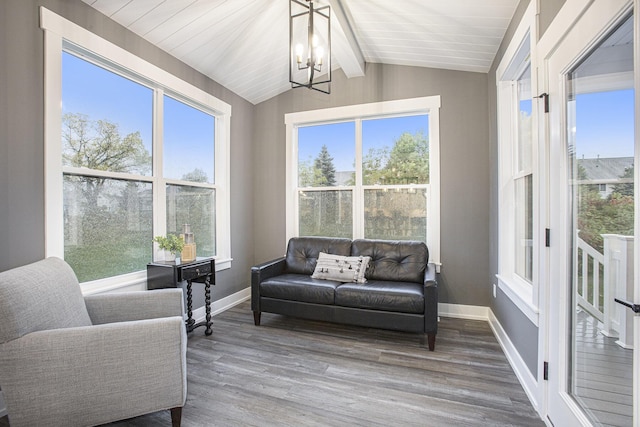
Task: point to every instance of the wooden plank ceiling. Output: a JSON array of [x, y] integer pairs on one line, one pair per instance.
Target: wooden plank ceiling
[[243, 44]]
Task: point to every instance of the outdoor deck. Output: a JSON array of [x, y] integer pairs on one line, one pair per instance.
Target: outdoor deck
[[603, 374]]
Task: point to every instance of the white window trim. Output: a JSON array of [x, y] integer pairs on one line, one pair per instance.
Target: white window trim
[[523, 294], [425, 105], [59, 30]]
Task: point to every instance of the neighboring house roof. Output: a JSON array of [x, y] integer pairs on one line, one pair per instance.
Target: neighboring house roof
[[606, 169]]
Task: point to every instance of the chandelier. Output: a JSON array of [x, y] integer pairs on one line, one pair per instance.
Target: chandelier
[[309, 46]]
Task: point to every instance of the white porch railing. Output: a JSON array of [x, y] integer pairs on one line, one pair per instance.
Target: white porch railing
[[586, 270], [602, 277]]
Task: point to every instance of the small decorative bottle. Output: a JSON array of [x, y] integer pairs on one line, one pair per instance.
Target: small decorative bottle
[[189, 251]]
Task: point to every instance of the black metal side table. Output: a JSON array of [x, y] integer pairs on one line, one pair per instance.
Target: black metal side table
[[169, 274]]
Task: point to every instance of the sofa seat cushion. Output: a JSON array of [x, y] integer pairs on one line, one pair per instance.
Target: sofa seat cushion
[[404, 297], [299, 287]]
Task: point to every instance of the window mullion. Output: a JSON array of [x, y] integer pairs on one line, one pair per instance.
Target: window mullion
[[159, 184], [358, 192]]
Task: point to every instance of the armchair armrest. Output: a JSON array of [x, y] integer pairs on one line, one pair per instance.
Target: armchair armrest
[[262, 272], [137, 305], [79, 376]]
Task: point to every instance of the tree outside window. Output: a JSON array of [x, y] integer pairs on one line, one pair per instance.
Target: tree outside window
[[393, 183]]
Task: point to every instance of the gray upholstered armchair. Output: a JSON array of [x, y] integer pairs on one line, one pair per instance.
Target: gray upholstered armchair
[[71, 360]]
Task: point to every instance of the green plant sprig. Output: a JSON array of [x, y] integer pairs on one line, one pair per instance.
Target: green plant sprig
[[171, 243]]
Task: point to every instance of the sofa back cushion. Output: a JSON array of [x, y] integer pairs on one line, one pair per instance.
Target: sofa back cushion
[[403, 261], [303, 252], [40, 296]]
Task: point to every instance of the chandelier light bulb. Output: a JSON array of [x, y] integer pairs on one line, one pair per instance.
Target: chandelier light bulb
[[319, 54], [299, 52]]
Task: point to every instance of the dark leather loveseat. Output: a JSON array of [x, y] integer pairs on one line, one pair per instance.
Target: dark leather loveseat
[[400, 292]]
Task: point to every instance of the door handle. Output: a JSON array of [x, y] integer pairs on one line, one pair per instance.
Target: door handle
[[634, 307]]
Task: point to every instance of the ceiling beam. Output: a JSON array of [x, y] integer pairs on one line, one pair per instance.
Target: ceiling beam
[[345, 46]]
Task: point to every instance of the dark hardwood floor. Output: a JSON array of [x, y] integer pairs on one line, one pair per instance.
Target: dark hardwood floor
[[292, 372]]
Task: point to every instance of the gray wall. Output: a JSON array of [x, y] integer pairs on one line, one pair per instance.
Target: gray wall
[[519, 328], [548, 11], [464, 164], [21, 134]]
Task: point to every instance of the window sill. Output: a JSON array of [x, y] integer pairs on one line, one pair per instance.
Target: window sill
[[136, 281], [223, 264], [521, 294]]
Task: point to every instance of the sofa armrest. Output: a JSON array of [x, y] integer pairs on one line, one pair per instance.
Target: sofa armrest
[[262, 272], [430, 300], [95, 374], [137, 305]]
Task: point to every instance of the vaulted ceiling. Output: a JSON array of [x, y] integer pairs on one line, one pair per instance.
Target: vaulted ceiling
[[243, 44]]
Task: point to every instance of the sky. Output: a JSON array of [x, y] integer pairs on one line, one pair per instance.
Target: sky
[[340, 138], [101, 94], [604, 122]]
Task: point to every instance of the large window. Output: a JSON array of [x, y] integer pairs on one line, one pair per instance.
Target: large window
[[523, 178], [368, 171], [131, 152], [518, 242]]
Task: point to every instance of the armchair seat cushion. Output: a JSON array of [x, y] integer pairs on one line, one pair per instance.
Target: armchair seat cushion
[[299, 287], [403, 297]]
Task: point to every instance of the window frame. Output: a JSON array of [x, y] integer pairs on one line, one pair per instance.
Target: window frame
[[63, 35], [524, 294], [425, 105]]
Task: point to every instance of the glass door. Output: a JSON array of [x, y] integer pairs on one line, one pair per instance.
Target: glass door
[[592, 159], [600, 136]]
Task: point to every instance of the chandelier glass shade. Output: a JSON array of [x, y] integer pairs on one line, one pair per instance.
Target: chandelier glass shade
[[309, 45]]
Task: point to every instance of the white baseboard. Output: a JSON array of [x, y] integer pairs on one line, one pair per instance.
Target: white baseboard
[[471, 312], [527, 380], [223, 304]]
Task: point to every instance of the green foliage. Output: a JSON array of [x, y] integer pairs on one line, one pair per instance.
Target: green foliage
[[397, 214], [196, 175], [407, 162], [611, 215], [326, 213], [324, 171], [625, 188], [106, 233], [195, 206], [305, 173], [98, 145], [321, 174], [121, 254], [171, 243]]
